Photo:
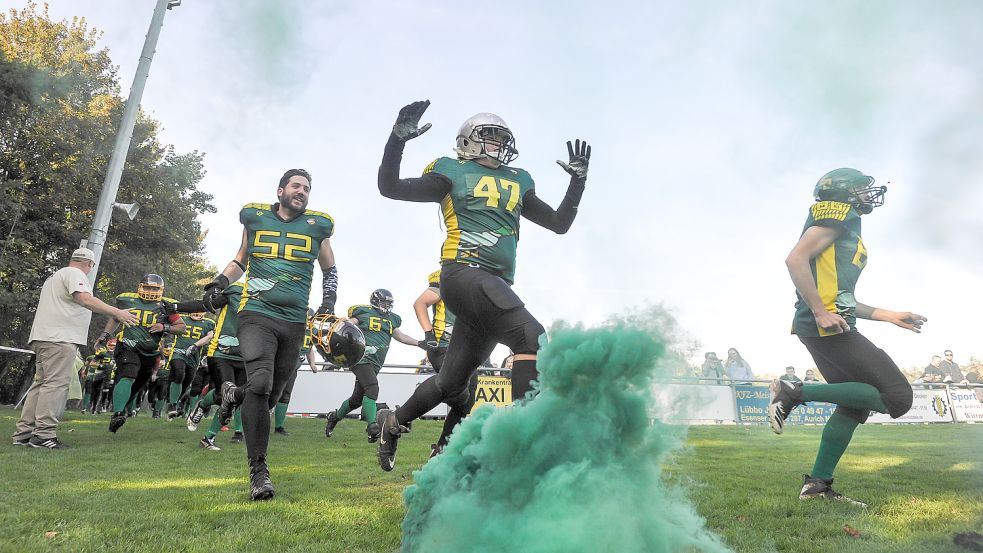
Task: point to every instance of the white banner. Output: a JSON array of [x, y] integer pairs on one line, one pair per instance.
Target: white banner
[[324, 391], [929, 405], [967, 404]]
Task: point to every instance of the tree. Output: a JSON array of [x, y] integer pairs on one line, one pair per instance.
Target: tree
[[60, 107]]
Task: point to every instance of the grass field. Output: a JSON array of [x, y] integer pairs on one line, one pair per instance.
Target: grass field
[[150, 488]]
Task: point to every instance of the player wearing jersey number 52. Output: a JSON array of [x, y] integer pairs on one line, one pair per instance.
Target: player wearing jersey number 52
[[280, 243]]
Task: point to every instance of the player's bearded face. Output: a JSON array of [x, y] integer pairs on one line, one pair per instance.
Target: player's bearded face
[[295, 194]]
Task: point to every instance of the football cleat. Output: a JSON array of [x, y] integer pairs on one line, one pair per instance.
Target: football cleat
[[116, 421], [389, 432], [228, 403], [156, 414], [435, 450], [816, 488], [260, 485], [236, 437], [173, 411], [333, 421], [281, 431], [22, 441], [198, 413], [208, 443], [372, 430], [785, 396]]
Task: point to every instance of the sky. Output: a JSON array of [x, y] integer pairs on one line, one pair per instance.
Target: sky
[[710, 123]]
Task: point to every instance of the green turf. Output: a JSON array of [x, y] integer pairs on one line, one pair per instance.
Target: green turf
[[150, 488]]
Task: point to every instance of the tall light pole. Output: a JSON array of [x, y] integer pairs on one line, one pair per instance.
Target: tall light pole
[[110, 186]]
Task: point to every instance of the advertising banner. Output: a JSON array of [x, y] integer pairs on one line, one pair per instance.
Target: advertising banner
[[496, 390], [929, 405], [752, 408], [967, 404]]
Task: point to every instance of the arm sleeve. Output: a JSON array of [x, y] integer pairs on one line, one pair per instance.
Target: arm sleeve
[[559, 221], [431, 187], [198, 306]]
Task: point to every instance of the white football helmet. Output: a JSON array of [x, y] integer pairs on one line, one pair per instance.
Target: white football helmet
[[481, 130]]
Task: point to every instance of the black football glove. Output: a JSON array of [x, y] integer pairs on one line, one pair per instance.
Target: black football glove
[[166, 309], [192, 350], [407, 125], [579, 160], [429, 340], [213, 290]]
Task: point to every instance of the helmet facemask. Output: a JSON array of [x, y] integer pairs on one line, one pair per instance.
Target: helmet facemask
[[869, 197], [151, 288]]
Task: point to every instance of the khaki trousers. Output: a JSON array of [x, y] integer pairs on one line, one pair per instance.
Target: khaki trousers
[[54, 368]]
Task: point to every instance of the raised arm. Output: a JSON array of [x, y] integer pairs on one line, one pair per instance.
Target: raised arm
[[431, 187], [559, 221]]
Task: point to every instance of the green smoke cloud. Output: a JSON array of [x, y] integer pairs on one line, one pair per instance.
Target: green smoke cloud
[[576, 470]]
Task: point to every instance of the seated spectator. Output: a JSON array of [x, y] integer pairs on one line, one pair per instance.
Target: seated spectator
[[737, 368], [790, 376], [810, 377], [712, 369], [932, 373], [950, 370]]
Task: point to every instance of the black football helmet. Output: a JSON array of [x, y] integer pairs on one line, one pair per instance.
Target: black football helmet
[[382, 300], [338, 341], [151, 287]]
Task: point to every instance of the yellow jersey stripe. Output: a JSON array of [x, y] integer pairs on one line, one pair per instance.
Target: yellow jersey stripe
[[213, 344], [449, 250], [439, 319], [826, 281]]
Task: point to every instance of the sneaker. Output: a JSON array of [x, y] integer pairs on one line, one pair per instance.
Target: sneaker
[[47, 443], [116, 421], [173, 411], [198, 413], [260, 485], [785, 396], [816, 488], [435, 450], [228, 403], [389, 433], [372, 430], [281, 431], [83, 411], [208, 443], [236, 438], [333, 421], [22, 441]]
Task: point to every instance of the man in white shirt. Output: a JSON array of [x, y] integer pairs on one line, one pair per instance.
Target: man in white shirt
[[61, 324]]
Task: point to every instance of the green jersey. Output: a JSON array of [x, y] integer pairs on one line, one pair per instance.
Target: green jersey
[[443, 319], [105, 359], [481, 213], [196, 330], [224, 342], [377, 327], [836, 269], [280, 259], [139, 336], [164, 370]]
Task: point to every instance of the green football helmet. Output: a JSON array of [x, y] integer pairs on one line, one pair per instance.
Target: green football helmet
[[852, 187]]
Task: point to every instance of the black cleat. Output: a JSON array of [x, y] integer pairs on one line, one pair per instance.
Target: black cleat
[[260, 485], [333, 421], [208, 443], [372, 430], [156, 414], [173, 411], [435, 450], [785, 396], [281, 431], [228, 403], [389, 432], [116, 421], [236, 437], [22, 441], [47, 443], [816, 488], [198, 413]]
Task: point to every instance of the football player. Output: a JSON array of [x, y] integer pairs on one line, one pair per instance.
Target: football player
[[280, 244], [185, 357], [481, 198], [306, 355], [379, 325], [437, 337], [825, 265], [157, 392], [138, 346]]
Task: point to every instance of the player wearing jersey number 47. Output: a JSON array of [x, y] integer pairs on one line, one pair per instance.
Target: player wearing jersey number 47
[[825, 265], [482, 198], [280, 244]]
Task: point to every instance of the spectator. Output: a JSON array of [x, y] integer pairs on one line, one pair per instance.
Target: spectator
[[810, 377], [950, 370], [932, 373], [790, 376], [737, 368], [61, 324], [712, 369]]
